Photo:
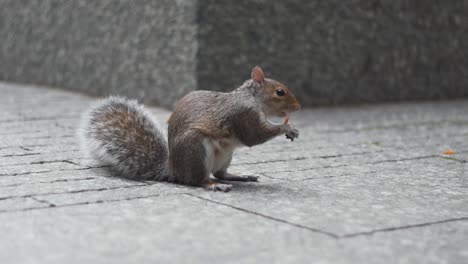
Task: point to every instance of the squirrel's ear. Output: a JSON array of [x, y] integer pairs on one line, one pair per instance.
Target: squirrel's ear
[[257, 74]]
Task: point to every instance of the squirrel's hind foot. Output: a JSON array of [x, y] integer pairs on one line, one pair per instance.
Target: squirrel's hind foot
[[216, 186]]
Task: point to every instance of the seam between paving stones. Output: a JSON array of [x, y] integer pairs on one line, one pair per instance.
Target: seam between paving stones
[[21, 155], [42, 182], [308, 158], [47, 171], [404, 227], [30, 146], [264, 174], [42, 162], [330, 234], [31, 119], [71, 161], [311, 229], [269, 161], [366, 163], [24, 148], [453, 159], [382, 149], [331, 166], [334, 176], [407, 125], [57, 128], [377, 143], [53, 161], [405, 159], [37, 153], [45, 137], [75, 191], [51, 206], [22, 132]]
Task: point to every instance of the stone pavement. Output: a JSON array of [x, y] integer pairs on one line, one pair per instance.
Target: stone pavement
[[363, 184]]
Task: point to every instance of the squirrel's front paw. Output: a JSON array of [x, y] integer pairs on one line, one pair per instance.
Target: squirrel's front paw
[[291, 132]]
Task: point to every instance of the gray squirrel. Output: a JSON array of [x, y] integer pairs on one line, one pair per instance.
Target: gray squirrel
[[203, 132]]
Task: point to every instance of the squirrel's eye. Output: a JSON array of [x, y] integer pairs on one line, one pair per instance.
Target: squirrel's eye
[[280, 92]]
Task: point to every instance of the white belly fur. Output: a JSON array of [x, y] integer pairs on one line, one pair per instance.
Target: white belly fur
[[219, 153]]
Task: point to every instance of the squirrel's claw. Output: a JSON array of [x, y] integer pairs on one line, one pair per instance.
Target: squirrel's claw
[[292, 133]]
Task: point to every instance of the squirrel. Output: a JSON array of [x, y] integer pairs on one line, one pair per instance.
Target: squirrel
[[203, 132]]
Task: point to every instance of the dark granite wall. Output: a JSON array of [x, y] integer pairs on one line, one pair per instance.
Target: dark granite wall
[[336, 51], [140, 48], [328, 51]]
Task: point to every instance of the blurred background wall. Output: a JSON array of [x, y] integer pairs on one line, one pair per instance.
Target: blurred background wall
[[326, 51], [144, 49]]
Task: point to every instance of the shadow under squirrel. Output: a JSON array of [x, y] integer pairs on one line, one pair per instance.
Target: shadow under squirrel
[[203, 132]]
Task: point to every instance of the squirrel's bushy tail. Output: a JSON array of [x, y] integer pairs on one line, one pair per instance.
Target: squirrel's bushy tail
[[121, 133]]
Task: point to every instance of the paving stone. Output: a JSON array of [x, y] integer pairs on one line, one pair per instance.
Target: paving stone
[[346, 204], [438, 243], [158, 229]]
